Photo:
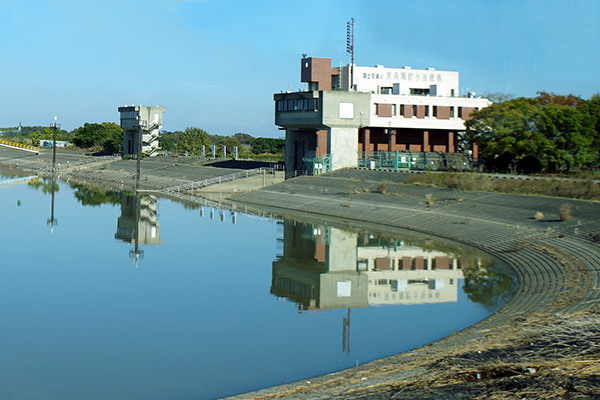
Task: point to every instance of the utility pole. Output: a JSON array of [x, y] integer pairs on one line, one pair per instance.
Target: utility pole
[[53, 221], [54, 127], [350, 49]]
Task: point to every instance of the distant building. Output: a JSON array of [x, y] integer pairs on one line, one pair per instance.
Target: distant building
[[349, 113], [50, 143], [148, 119]]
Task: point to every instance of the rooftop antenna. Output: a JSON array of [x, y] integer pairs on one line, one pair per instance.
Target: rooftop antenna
[[350, 49]]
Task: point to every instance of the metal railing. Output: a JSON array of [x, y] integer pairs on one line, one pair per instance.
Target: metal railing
[[19, 146], [409, 161], [216, 180]]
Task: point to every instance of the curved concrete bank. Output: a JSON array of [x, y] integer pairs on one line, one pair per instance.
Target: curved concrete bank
[[557, 264]]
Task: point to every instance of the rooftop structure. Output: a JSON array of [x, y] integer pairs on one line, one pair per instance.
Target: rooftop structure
[[389, 110]]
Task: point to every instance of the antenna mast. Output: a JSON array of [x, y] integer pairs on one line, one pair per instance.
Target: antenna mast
[[350, 49]]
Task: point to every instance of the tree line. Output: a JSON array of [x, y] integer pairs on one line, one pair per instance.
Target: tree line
[[547, 133], [192, 139], [108, 137]]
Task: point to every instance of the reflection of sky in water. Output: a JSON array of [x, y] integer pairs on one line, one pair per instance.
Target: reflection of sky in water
[[195, 320]]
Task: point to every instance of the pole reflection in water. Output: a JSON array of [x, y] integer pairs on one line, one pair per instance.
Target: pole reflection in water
[[52, 220], [138, 223], [325, 268]]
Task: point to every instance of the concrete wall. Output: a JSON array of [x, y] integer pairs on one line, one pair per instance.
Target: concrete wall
[[342, 250], [130, 116], [343, 147]]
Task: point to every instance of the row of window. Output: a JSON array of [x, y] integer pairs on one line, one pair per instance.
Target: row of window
[[296, 105], [407, 263], [409, 295], [128, 114], [410, 110]]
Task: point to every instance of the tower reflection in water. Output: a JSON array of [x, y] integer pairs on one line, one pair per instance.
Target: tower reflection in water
[[328, 268], [138, 223]]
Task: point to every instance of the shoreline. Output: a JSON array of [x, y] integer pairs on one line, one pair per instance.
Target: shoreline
[[557, 265], [551, 259]]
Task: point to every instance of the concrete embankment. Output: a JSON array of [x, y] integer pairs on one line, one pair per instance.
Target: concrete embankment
[[556, 262], [156, 173]]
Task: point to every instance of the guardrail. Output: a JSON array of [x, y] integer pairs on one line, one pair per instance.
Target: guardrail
[[19, 146], [216, 180]]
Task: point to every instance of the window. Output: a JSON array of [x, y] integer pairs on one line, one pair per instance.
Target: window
[[419, 92], [460, 112], [402, 110], [427, 111], [414, 111], [385, 90], [435, 111], [128, 115], [451, 112]]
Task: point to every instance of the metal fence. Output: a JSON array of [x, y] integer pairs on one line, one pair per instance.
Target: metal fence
[[218, 179], [408, 161]]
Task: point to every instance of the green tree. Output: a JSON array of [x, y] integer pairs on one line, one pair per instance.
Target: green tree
[[107, 136], [230, 142], [243, 138], [572, 133], [263, 145], [46, 133], [509, 131], [192, 140], [45, 184], [485, 286], [168, 140], [88, 196]]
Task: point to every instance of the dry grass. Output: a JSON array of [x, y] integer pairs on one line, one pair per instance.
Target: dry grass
[[553, 358], [565, 212], [472, 181], [383, 189], [429, 200]]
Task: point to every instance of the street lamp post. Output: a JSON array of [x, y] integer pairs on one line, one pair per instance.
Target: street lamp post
[[53, 221]]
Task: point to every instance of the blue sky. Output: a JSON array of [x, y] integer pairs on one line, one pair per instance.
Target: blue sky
[[215, 64]]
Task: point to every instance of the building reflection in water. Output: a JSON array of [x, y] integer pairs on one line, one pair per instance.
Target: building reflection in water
[[328, 268], [138, 223]]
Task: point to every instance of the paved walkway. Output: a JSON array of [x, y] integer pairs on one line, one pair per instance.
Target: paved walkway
[[557, 263]]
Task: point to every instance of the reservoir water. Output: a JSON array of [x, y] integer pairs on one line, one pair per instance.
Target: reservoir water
[[105, 295]]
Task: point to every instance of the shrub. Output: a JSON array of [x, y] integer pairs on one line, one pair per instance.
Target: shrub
[[565, 212]]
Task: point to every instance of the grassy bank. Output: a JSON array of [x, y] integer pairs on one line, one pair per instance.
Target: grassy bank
[[560, 187]]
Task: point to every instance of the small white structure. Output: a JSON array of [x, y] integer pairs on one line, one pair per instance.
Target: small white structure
[[146, 120]]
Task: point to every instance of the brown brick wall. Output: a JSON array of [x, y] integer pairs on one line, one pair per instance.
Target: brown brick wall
[[384, 110], [465, 112], [442, 263], [382, 263], [321, 143], [443, 112], [316, 69], [408, 110]]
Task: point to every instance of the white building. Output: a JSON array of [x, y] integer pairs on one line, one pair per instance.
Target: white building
[[347, 113]]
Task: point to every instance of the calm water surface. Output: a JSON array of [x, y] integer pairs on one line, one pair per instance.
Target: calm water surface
[[109, 296]]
